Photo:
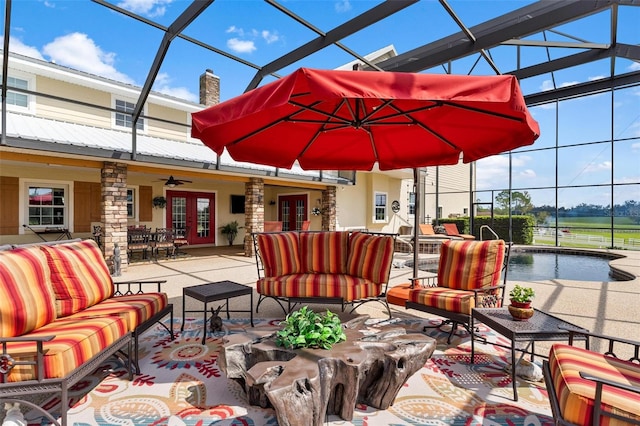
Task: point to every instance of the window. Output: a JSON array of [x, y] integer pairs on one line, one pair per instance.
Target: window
[[380, 207], [131, 203], [47, 206], [412, 203], [15, 98], [124, 119]]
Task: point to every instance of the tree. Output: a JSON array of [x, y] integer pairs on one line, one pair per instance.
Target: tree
[[520, 202]]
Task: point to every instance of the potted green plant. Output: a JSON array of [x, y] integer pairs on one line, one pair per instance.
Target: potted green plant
[[159, 202], [230, 230], [520, 307], [305, 328], [521, 296]]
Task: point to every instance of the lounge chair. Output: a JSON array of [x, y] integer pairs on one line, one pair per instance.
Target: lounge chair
[[452, 230]]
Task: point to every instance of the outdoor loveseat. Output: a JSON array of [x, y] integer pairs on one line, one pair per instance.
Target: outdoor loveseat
[[340, 267], [62, 316]]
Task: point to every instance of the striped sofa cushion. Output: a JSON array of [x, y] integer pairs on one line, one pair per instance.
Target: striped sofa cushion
[[79, 275], [370, 256], [72, 346], [444, 298], [469, 265], [25, 291], [343, 286], [133, 308], [279, 253], [576, 395], [324, 252]]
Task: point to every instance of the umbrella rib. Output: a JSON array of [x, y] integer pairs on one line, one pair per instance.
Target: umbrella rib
[[317, 111]]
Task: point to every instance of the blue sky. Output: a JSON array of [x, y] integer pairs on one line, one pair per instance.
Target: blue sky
[[86, 36]]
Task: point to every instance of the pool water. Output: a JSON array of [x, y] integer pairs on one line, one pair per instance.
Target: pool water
[[535, 266], [528, 266]]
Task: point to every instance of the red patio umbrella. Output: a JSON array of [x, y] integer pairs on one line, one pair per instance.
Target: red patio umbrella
[[351, 120]]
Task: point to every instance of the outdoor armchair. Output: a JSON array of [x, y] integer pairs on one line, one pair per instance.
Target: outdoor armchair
[[594, 388]]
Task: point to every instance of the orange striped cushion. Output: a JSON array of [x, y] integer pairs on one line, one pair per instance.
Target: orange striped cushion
[[74, 343], [348, 287], [279, 253], [25, 291], [79, 275], [134, 308], [370, 256], [444, 298], [324, 252], [576, 395], [467, 265]]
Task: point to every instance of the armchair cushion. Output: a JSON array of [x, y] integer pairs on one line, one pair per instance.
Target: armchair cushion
[[79, 275], [280, 253], [370, 256], [576, 395], [25, 291], [343, 286], [470, 265], [447, 299], [324, 252]]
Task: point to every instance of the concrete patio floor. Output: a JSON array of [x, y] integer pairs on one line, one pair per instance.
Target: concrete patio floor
[[611, 308]]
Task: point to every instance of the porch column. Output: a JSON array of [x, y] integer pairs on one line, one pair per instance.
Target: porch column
[[253, 212], [328, 209], [113, 178]]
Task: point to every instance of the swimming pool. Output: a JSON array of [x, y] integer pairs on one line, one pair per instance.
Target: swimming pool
[[545, 264]]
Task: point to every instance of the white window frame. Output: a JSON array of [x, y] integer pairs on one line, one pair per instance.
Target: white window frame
[[377, 206], [68, 203], [411, 204], [31, 85], [142, 128], [133, 203]]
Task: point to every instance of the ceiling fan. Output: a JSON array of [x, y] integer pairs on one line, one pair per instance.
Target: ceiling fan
[[171, 182]]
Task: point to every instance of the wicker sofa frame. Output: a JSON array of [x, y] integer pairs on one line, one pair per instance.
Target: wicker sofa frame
[[292, 301], [124, 347]]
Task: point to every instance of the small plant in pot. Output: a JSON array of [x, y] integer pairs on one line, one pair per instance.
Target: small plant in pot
[[230, 230], [306, 329], [520, 307], [521, 297]]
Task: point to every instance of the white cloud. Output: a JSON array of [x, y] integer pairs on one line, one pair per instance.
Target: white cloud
[[548, 85], [598, 167], [270, 37], [342, 6], [151, 8], [162, 85], [17, 46], [78, 51], [635, 146], [241, 46], [235, 30], [635, 66], [528, 174]]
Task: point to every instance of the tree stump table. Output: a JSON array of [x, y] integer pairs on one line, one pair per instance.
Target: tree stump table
[[306, 385]]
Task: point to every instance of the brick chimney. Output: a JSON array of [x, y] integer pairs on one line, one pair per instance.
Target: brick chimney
[[209, 88]]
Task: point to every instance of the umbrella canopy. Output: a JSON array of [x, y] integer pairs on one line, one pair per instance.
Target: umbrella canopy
[[351, 120]]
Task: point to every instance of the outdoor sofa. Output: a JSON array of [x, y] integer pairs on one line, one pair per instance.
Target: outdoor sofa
[[62, 316], [332, 267]]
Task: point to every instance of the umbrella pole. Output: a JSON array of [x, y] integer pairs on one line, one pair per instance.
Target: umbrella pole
[[417, 187]]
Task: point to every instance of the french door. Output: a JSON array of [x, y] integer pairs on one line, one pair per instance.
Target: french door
[[195, 213], [292, 211]]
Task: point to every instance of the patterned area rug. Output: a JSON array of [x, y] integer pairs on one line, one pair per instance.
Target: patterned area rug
[[181, 384]]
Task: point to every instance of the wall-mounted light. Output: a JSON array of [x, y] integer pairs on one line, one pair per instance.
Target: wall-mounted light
[[272, 202]]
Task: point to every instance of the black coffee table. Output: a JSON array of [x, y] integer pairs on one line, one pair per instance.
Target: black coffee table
[[540, 327], [210, 292]]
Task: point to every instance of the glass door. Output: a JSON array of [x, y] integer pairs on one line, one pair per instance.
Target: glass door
[[292, 211], [192, 212]]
